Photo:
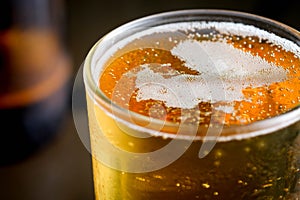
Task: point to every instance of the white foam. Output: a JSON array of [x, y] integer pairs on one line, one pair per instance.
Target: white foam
[[222, 59], [225, 108], [238, 29], [224, 72], [229, 28], [177, 91], [101, 57]]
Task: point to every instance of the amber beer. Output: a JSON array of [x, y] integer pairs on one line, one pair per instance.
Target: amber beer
[[197, 104]]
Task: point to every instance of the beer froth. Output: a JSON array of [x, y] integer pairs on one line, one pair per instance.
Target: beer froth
[[221, 68], [239, 70]]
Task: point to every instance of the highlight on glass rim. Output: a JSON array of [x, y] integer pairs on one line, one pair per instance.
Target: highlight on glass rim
[[195, 104]]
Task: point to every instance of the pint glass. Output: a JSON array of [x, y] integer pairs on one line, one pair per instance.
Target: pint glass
[[195, 104]]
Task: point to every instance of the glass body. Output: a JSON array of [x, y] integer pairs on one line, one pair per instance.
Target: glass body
[[255, 161]]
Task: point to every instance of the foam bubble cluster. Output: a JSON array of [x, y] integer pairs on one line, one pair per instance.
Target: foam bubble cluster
[[224, 72], [193, 71]]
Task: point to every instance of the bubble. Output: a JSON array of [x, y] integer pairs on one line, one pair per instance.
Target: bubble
[[205, 185]]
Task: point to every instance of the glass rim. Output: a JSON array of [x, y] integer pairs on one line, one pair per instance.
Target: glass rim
[[238, 132]]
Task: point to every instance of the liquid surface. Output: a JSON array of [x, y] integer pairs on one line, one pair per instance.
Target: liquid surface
[[206, 75]]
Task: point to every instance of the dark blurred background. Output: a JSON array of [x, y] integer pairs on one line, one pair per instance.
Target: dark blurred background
[[91, 19], [61, 169]]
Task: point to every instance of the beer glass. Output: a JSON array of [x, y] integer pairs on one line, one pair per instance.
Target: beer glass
[[204, 152]]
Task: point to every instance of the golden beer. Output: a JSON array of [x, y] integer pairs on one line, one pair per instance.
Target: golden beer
[[201, 106]]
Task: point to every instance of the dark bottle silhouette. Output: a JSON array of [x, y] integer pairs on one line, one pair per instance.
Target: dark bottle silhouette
[[34, 76]]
